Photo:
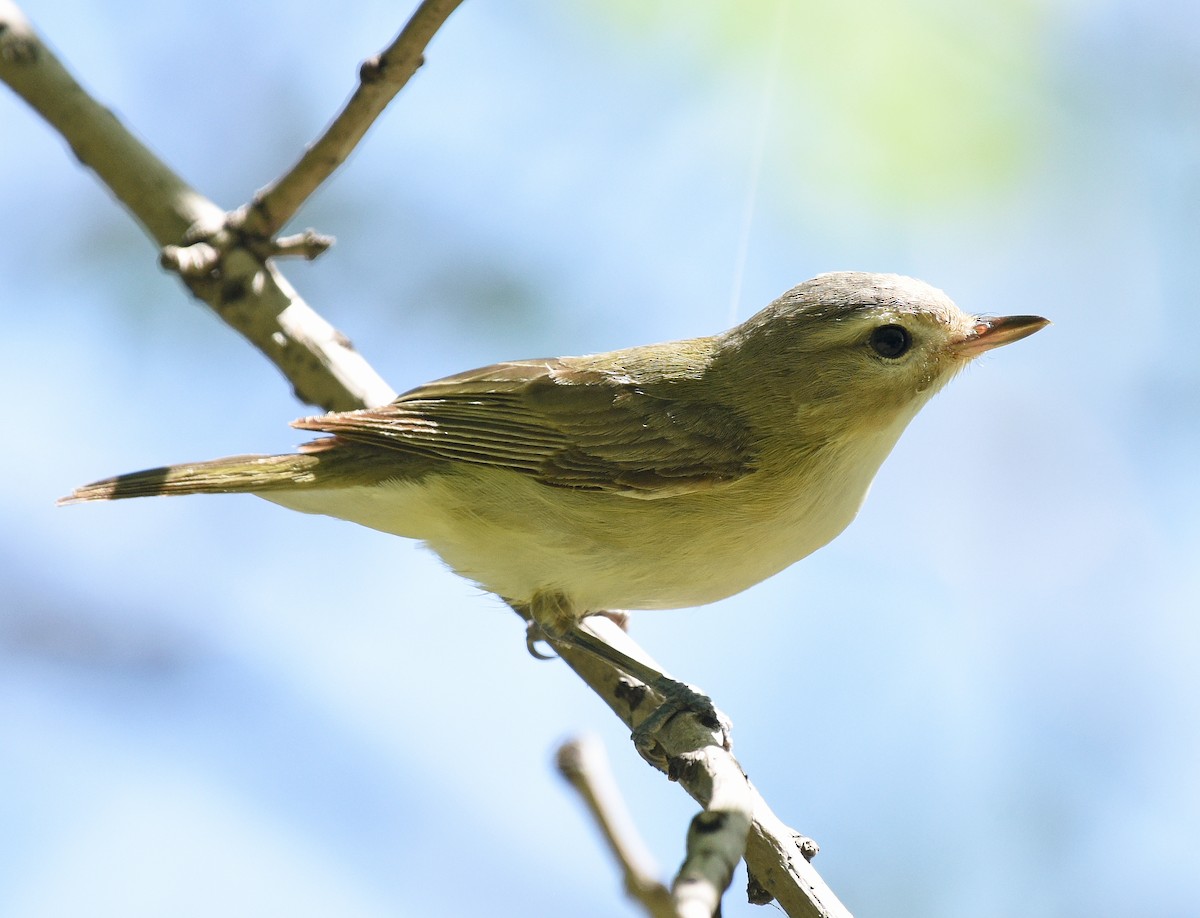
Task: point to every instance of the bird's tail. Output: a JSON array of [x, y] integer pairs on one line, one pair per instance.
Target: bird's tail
[[231, 475]]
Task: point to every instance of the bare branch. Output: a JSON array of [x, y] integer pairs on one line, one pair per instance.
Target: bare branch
[[779, 861], [158, 198], [380, 78], [248, 294], [581, 761], [776, 856], [716, 839]]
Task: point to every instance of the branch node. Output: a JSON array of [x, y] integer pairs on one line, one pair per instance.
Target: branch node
[[708, 822], [371, 70], [808, 848], [249, 220], [232, 292], [307, 245], [716, 842], [197, 261]]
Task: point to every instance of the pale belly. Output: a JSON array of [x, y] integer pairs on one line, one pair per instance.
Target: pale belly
[[515, 536]]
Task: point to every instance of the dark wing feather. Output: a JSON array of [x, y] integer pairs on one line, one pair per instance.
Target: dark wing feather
[[564, 424]]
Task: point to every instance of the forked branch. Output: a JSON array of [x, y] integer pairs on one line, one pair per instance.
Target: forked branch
[[236, 282]]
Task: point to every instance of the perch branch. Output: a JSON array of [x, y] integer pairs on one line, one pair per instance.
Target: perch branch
[[716, 839], [777, 857]]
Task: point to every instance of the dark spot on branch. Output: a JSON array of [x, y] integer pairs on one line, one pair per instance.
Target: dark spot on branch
[[233, 291], [371, 70], [756, 893], [708, 822], [676, 768], [632, 693]]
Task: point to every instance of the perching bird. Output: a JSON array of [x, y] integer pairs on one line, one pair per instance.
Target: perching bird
[[655, 477]]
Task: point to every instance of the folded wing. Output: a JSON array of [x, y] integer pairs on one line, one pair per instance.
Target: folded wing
[[564, 424]]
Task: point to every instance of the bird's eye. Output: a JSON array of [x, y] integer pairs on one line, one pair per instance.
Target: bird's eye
[[890, 340]]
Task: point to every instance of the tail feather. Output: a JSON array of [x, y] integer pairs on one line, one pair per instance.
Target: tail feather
[[231, 475]]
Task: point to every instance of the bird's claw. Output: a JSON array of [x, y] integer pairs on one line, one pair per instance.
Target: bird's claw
[[680, 699], [534, 635]]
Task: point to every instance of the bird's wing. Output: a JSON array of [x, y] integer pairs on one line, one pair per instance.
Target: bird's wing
[[564, 425]]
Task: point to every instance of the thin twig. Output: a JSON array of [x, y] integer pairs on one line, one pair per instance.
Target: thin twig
[[380, 78], [581, 761], [307, 245]]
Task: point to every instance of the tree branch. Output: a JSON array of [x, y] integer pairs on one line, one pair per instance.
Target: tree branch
[[159, 199], [380, 78], [241, 288], [716, 839], [581, 761], [696, 756]]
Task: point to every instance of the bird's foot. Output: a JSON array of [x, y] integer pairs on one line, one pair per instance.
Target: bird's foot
[[684, 707], [554, 621], [684, 719]]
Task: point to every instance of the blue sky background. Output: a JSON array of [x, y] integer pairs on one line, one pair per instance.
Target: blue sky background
[[983, 699]]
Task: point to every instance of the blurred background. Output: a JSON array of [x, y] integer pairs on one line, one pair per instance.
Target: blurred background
[[983, 699]]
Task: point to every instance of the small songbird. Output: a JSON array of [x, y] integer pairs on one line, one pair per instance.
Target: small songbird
[[655, 477]]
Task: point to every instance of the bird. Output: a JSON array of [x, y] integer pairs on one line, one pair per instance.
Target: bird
[[654, 477]]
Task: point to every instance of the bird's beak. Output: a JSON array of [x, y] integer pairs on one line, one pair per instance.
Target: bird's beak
[[990, 332]]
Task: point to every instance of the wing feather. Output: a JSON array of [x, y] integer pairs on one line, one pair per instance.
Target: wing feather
[[564, 424]]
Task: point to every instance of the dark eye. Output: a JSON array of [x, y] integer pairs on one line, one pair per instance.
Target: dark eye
[[890, 340]]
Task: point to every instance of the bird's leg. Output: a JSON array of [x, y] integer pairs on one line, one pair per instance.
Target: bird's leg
[[560, 621], [550, 616], [553, 619]]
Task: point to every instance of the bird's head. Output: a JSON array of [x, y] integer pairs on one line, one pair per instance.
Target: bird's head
[[848, 349]]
